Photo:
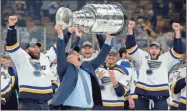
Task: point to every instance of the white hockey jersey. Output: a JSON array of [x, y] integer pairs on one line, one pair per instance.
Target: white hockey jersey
[[34, 76], [182, 74], [7, 83], [153, 74], [109, 96], [55, 75], [133, 79], [175, 97]]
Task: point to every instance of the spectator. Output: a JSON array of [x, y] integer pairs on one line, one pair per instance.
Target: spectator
[[20, 7], [45, 7], [52, 10], [166, 41]]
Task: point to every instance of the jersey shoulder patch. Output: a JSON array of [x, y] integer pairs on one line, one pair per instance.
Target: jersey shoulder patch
[[126, 64], [121, 69]]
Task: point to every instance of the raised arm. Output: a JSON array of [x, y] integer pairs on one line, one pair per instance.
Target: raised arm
[[132, 48], [176, 52], [101, 40], [11, 39], [61, 55], [17, 54], [103, 53], [78, 37], [52, 52]]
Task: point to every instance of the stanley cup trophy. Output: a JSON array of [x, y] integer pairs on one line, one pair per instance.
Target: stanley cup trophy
[[95, 18]]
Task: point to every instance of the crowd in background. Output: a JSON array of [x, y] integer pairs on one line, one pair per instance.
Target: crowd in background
[[153, 18], [153, 21]]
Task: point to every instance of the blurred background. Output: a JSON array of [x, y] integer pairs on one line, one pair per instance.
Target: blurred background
[[153, 19]]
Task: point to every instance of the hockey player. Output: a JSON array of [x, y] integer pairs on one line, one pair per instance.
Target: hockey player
[[88, 51], [152, 85], [179, 89], [175, 97], [113, 80], [8, 84], [129, 100], [33, 67], [124, 57]]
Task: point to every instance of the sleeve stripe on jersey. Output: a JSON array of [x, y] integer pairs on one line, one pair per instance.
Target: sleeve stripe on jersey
[[125, 91], [133, 96], [132, 50], [175, 54], [13, 81], [3, 99], [54, 45], [174, 104], [182, 100], [173, 87], [118, 69], [55, 83], [4, 91], [13, 47], [7, 88]]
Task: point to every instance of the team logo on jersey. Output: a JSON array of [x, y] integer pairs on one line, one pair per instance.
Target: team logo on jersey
[[105, 80], [37, 67], [154, 64]]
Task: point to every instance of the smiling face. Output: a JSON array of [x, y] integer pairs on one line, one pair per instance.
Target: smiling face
[[87, 51], [111, 58], [155, 52]]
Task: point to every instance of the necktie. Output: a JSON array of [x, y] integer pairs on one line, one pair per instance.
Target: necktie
[[86, 90]]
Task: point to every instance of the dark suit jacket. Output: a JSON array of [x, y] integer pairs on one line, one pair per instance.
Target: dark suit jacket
[[68, 74]]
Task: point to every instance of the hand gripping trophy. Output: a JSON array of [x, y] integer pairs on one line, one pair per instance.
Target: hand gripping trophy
[[95, 18]]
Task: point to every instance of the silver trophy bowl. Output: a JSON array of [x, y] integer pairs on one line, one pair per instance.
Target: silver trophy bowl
[[95, 18]]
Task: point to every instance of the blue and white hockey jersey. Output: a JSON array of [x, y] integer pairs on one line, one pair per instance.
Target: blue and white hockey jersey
[[179, 85], [133, 79], [153, 74], [34, 76], [7, 83], [175, 97], [111, 96]]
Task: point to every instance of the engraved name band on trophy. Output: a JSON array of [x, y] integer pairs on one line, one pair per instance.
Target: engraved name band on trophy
[[95, 18]]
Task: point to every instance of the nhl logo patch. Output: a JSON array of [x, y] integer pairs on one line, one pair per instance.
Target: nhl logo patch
[[149, 72]]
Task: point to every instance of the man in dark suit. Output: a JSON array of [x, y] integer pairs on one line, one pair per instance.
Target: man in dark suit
[[79, 88]]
